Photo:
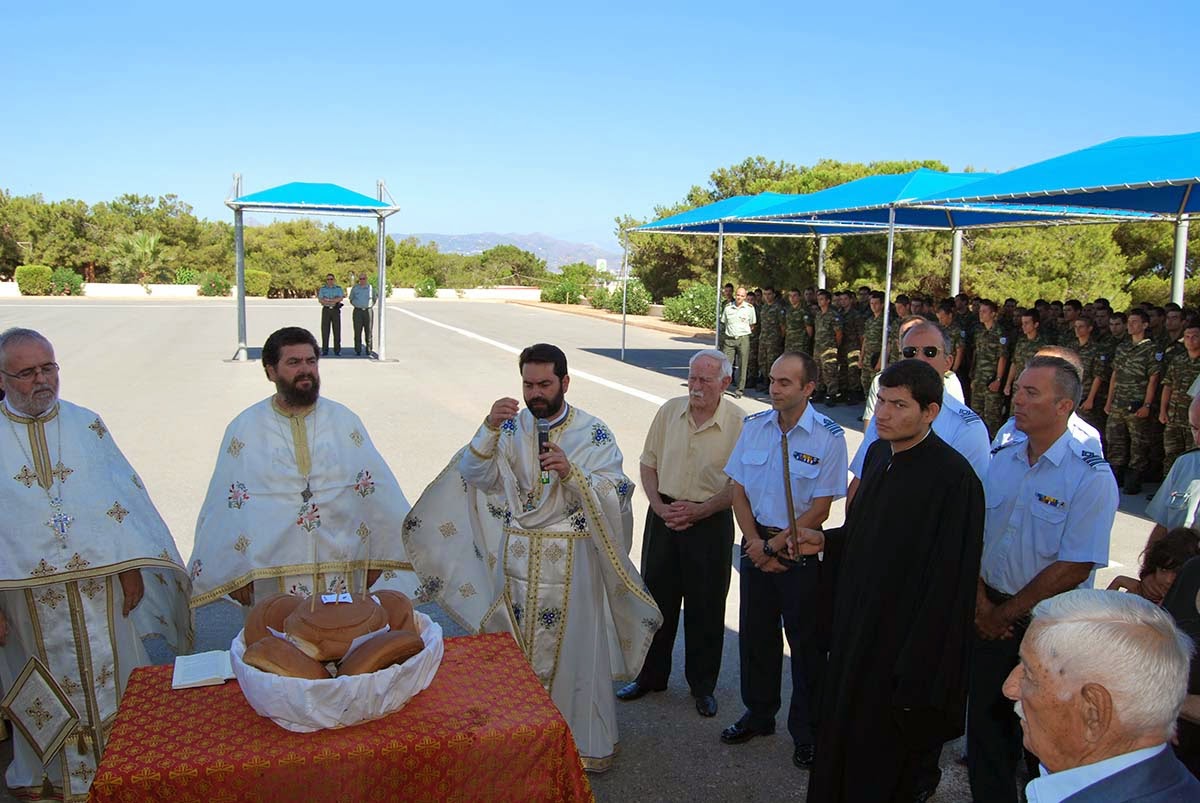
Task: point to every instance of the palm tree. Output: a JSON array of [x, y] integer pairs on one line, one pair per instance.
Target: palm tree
[[138, 257]]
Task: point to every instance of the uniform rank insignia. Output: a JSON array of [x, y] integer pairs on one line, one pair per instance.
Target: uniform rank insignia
[[1094, 460], [1004, 341], [968, 415], [1158, 356], [806, 458], [831, 425], [1051, 501]]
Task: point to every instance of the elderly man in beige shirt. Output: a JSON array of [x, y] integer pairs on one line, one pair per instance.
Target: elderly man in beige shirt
[[687, 548]]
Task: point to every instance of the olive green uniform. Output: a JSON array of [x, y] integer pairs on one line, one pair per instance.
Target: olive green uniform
[[1180, 373], [826, 327], [871, 349], [1097, 364], [797, 321], [850, 351], [1023, 351], [990, 346], [771, 325], [1128, 435], [753, 367]]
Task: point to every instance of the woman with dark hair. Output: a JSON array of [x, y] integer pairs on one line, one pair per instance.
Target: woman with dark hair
[[1162, 559]]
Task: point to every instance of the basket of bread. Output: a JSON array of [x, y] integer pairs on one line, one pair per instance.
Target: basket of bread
[[335, 660]]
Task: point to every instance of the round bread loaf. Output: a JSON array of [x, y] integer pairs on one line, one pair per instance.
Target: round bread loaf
[[380, 652], [273, 654], [271, 612], [399, 609], [324, 631]]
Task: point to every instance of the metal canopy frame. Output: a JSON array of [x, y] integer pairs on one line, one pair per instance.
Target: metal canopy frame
[[380, 210]]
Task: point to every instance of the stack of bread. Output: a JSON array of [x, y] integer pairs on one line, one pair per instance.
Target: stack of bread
[[320, 635]]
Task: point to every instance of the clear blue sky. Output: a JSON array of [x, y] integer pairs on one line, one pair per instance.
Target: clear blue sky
[[556, 117]]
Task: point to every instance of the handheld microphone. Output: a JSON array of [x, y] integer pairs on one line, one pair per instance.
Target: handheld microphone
[[543, 430]]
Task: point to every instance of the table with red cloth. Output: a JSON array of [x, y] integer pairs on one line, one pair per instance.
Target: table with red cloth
[[485, 729]]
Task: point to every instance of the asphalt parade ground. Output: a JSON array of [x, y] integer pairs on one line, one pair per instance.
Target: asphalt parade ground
[[159, 374]]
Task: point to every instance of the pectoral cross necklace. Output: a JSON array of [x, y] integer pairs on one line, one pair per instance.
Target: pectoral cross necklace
[[60, 521], [306, 494]]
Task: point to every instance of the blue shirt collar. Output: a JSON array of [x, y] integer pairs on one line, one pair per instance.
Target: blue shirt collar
[[1053, 787], [805, 422]]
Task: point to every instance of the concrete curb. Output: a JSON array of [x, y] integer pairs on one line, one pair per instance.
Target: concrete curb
[[640, 321]]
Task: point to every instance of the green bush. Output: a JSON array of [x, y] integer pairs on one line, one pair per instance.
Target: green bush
[[695, 306], [598, 297], [65, 282], [33, 280], [564, 291], [187, 276], [426, 287], [637, 299], [213, 284], [258, 282]]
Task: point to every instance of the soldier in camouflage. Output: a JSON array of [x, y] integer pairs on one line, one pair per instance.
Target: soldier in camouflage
[[1097, 367], [872, 341], [1026, 346], [850, 349], [827, 336], [772, 329], [1182, 369], [958, 336], [752, 372], [798, 321], [987, 372], [1135, 376]]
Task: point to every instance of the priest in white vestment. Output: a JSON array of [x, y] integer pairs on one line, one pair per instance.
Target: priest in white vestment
[[88, 569], [300, 499], [537, 544]]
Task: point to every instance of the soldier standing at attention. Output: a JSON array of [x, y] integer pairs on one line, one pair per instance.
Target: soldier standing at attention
[[901, 309], [330, 296], [990, 363], [798, 322], [1181, 372], [737, 320], [958, 336], [1097, 365], [850, 349], [756, 300], [1031, 340], [827, 336], [872, 341], [772, 328], [1135, 376]]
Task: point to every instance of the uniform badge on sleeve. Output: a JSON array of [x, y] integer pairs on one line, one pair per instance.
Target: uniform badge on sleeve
[[1004, 341], [801, 457], [1051, 501]]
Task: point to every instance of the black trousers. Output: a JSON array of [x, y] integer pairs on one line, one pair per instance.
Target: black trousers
[[994, 736], [331, 317], [690, 567], [362, 323], [768, 598]]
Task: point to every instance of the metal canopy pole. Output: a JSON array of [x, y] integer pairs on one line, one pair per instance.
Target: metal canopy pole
[[1178, 272], [239, 249], [624, 285], [956, 262], [381, 295], [720, 266], [822, 240], [887, 289]]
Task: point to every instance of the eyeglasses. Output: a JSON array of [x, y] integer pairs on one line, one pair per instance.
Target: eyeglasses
[[911, 351], [46, 369]]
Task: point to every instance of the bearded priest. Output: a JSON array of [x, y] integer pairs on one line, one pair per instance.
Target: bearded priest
[[300, 500], [88, 570]]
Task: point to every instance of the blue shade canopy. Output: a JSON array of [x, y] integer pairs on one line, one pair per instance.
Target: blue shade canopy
[[1156, 175], [313, 198]]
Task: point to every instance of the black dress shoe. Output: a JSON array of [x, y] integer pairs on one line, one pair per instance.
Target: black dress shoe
[[740, 732], [803, 756], [706, 705], [634, 691]]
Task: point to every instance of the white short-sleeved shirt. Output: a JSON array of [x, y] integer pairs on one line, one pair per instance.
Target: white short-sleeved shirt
[[1059, 509], [739, 319], [956, 424], [1175, 503], [817, 462], [1083, 432]]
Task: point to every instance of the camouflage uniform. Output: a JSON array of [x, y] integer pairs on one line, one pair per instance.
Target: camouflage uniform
[[1134, 364], [797, 335], [1022, 352], [825, 328], [850, 351], [872, 345], [770, 336], [990, 346], [1097, 364], [1181, 371], [1168, 348], [753, 368]]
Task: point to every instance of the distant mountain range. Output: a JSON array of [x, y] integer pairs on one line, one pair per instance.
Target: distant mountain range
[[556, 252]]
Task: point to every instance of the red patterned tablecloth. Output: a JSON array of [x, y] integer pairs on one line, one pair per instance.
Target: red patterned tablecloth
[[485, 729]]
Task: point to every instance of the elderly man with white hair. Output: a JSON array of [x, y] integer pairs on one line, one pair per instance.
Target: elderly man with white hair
[[1101, 680], [687, 549]]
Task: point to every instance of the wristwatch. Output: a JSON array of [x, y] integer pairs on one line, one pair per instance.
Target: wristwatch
[[767, 548]]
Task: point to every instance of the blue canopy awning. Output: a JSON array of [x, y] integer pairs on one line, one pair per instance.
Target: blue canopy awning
[[1155, 175], [300, 197]]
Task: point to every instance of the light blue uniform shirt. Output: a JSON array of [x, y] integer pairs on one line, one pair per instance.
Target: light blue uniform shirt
[[1059, 509], [956, 424], [1087, 435], [1174, 504], [817, 460], [330, 292], [1054, 787], [360, 296]]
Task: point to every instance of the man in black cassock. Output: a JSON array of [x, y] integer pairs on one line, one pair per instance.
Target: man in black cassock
[[903, 570]]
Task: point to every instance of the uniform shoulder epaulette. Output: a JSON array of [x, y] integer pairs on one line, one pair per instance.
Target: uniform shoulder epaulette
[[1094, 460], [968, 415], [832, 426], [753, 416], [1004, 445]]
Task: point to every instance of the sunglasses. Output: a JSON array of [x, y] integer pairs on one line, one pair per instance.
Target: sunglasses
[[911, 351]]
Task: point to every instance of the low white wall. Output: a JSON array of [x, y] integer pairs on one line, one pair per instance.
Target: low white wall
[[477, 293], [108, 290], [9, 290]]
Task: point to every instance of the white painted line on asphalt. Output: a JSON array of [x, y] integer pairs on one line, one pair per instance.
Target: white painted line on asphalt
[[162, 304], [599, 380]]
